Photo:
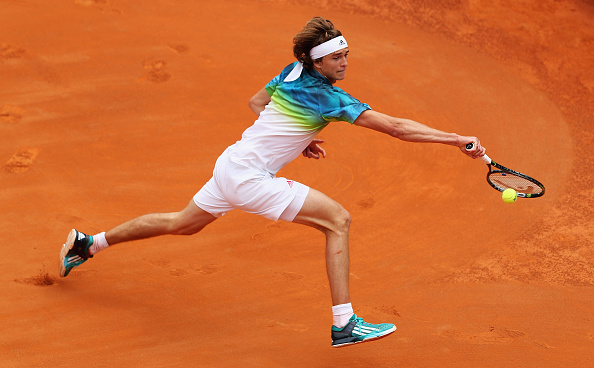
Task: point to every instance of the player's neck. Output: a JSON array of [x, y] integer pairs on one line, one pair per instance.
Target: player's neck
[[332, 81]]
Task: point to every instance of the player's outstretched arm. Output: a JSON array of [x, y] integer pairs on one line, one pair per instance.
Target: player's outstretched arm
[[412, 131]]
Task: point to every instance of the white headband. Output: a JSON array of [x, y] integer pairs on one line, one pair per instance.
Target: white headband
[[328, 47]]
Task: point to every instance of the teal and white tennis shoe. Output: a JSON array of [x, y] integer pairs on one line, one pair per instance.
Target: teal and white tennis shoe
[[75, 252], [357, 331]]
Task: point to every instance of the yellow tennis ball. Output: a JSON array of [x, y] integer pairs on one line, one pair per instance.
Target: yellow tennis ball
[[509, 195]]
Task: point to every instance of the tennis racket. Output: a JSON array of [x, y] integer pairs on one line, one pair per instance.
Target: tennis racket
[[502, 178]]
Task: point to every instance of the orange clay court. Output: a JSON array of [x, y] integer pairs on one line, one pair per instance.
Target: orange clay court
[[110, 109]]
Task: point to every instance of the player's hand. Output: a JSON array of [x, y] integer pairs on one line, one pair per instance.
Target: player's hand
[[314, 149], [476, 151]]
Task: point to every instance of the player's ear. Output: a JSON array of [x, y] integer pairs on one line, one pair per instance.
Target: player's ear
[[318, 63]]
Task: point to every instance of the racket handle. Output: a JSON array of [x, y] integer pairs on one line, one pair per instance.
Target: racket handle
[[485, 158]]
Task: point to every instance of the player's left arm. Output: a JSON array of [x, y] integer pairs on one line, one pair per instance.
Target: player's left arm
[[259, 101], [412, 131]]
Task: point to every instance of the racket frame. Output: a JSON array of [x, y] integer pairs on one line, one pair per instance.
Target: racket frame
[[502, 169]]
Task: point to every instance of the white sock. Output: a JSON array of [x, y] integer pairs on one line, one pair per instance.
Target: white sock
[[99, 243], [341, 314]]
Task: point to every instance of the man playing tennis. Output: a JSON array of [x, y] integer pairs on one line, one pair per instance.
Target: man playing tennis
[[292, 109]]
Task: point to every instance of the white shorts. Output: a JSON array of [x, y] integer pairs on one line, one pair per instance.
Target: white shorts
[[251, 190]]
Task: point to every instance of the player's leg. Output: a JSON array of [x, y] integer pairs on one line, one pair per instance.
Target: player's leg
[[328, 216], [79, 247], [206, 206], [189, 221]]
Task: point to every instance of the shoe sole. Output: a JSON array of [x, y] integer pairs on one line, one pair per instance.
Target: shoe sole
[[385, 333], [65, 249]]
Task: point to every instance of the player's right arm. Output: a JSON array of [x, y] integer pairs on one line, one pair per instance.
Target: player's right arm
[[259, 101], [412, 131]]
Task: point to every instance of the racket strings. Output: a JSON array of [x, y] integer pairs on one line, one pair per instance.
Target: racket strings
[[519, 184]]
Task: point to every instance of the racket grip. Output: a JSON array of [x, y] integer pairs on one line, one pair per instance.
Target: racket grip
[[485, 158]]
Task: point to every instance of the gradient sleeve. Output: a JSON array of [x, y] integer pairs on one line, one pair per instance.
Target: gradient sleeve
[[340, 106]]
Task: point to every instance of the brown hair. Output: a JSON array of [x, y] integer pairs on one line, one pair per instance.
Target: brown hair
[[316, 31]]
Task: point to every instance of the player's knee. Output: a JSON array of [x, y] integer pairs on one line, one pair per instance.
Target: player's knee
[[178, 225], [184, 223], [185, 230], [342, 221]]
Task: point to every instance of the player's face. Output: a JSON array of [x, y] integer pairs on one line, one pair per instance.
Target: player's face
[[333, 66]]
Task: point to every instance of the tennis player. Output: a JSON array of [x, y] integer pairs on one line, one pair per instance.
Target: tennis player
[[292, 109]]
